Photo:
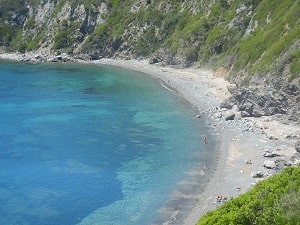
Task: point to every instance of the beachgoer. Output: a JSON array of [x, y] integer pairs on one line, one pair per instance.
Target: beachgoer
[[204, 139]]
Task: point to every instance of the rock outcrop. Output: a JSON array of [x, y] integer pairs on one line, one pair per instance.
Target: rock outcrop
[[278, 98]]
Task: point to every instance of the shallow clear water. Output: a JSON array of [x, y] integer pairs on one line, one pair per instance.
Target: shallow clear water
[[85, 144]]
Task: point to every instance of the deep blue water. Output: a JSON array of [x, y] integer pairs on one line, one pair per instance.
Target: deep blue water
[[87, 144]]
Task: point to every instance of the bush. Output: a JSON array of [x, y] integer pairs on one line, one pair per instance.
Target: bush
[[273, 201], [65, 38]]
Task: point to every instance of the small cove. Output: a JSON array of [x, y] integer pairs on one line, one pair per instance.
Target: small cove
[[86, 144]]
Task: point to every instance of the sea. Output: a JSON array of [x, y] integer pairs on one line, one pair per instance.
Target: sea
[[96, 145]]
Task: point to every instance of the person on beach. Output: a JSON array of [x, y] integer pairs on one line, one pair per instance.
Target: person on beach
[[204, 139]]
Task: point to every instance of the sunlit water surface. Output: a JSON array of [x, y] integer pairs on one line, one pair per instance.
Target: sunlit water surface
[[83, 144]]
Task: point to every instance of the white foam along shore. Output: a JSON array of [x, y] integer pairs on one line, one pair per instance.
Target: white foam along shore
[[240, 140]]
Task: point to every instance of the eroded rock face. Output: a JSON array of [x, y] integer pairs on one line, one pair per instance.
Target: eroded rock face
[[254, 104], [46, 20], [281, 97]]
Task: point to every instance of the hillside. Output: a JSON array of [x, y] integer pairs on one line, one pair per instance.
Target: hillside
[[251, 36], [253, 43]]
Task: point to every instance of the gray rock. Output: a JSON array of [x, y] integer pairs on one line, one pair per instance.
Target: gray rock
[[232, 88], [227, 104], [288, 163], [154, 60], [269, 164], [258, 112], [218, 115], [253, 103], [59, 58], [229, 115], [245, 114], [281, 163], [246, 106], [271, 154], [297, 146], [248, 161], [273, 138], [258, 174]]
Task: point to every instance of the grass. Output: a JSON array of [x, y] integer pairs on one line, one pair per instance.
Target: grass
[[295, 64]]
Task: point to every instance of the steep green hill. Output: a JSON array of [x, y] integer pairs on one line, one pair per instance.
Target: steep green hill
[[244, 36], [273, 201]]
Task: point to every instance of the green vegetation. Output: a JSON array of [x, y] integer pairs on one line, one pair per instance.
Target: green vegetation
[[295, 64], [276, 32], [65, 38], [30, 23], [6, 35], [7, 6], [7, 32], [273, 201]]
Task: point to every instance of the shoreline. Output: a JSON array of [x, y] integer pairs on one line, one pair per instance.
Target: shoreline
[[240, 140]]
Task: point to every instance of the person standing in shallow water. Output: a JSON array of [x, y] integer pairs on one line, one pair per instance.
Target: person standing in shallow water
[[204, 139]]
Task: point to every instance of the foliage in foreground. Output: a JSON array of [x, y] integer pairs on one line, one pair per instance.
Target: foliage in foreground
[[273, 201]]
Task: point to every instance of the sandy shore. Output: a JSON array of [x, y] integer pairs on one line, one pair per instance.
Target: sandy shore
[[239, 140]]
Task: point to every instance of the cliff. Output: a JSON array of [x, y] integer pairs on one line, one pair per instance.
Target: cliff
[[253, 43]]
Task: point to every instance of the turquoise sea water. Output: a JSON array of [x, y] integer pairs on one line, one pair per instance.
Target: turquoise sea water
[[87, 144]]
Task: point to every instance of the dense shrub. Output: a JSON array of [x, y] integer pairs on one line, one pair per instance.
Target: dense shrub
[[273, 201]]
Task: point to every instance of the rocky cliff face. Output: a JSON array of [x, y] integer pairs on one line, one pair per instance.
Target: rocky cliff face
[[61, 27], [282, 98], [49, 25], [256, 43]]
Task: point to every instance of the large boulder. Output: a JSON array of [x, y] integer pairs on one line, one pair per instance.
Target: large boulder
[[229, 115], [269, 164]]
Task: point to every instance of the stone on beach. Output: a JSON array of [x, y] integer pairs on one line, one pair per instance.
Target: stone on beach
[[258, 174], [229, 115], [271, 154], [297, 146], [269, 164]]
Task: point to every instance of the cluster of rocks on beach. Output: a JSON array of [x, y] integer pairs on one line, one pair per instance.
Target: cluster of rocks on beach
[[38, 58], [281, 147], [257, 147]]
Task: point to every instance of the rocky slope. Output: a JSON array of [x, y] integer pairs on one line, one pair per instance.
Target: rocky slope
[[255, 44]]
